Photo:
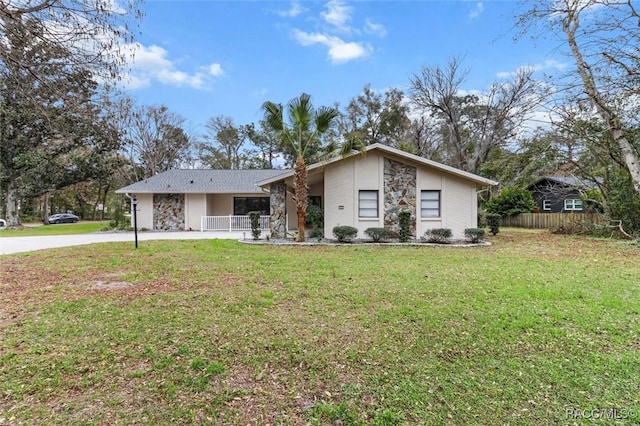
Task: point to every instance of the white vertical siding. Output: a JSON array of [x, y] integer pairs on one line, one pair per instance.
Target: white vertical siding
[[428, 180], [195, 207], [292, 215], [368, 175], [144, 211], [457, 204], [344, 179], [338, 195]]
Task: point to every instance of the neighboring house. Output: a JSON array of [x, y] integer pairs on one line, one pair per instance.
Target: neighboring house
[[559, 194], [363, 190]]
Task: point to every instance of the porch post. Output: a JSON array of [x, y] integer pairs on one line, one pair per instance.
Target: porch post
[[278, 207]]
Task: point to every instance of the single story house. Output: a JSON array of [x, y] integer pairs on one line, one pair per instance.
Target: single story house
[[559, 194], [363, 190]]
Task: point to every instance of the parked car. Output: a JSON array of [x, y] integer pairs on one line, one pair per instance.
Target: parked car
[[63, 218]]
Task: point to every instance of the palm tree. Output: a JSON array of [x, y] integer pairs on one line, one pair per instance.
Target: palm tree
[[303, 127]]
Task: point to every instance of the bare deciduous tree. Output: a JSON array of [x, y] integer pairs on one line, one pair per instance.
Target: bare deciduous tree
[[472, 125], [154, 140]]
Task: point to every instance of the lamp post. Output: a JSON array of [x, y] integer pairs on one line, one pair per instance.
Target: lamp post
[[134, 204]]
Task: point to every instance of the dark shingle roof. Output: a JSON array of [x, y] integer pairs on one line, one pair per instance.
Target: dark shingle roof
[[567, 181], [202, 181]]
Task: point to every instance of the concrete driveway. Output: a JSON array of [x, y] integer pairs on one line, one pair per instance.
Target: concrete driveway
[[9, 245]]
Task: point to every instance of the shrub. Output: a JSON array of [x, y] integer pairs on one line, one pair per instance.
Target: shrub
[[344, 233], [255, 224], [316, 233], [438, 235], [482, 219], [510, 202], [118, 220], [378, 234], [623, 202], [591, 229], [474, 235], [404, 217], [493, 221], [316, 218]]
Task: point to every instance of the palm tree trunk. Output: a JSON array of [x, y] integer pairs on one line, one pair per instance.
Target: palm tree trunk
[[302, 194]]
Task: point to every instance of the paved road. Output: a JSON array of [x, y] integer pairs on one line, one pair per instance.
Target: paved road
[[10, 245]]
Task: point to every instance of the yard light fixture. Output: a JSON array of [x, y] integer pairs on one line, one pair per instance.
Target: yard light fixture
[[134, 202], [134, 208]]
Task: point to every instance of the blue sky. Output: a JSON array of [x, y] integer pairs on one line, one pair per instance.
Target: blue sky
[[209, 58]]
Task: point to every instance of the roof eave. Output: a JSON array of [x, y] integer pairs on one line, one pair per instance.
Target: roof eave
[[452, 170], [179, 190]]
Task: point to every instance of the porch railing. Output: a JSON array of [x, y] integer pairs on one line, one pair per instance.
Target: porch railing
[[230, 223]]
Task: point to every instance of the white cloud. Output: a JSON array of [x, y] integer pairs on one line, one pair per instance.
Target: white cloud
[[151, 63], [295, 10], [549, 64], [133, 82], [475, 12], [179, 78], [215, 70], [339, 51], [336, 25], [338, 15], [371, 27]]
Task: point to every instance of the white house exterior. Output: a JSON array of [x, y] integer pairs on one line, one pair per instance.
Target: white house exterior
[[363, 190], [369, 190]]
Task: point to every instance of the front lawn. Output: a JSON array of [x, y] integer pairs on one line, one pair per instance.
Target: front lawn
[[536, 329], [32, 230]]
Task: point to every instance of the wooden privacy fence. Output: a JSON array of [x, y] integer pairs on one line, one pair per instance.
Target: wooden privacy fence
[[550, 220]]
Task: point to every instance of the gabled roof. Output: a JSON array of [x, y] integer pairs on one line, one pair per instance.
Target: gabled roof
[[566, 181], [395, 152], [202, 181]]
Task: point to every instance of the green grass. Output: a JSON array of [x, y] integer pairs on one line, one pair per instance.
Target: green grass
[[216, 332], [32, 230]]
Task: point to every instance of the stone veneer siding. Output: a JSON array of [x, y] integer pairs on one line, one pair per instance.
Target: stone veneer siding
[[399, 193], [278, 203], [168, 212]]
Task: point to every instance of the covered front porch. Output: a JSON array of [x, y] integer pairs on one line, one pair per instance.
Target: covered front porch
[[203, 212]]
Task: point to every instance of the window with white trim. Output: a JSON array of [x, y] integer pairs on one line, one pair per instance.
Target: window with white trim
[[429, 204], [573, 204], [546, 205], [368, 204]]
